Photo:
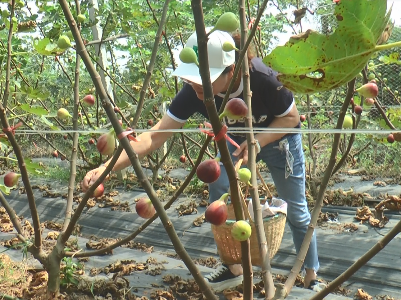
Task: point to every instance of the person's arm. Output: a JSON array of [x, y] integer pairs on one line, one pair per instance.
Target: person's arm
[[149, 141]]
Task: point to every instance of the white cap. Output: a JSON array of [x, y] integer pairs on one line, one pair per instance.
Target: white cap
[[218, 59]]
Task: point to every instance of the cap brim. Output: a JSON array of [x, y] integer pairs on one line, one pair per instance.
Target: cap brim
[[190, 72]]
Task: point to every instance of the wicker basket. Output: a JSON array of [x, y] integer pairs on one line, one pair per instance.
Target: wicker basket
[[230, 250]]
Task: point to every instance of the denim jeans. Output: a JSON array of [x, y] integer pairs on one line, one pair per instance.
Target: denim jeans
[[290, 189]]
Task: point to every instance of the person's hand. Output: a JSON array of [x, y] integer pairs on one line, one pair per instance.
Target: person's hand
[[242, 152], [91, 177]]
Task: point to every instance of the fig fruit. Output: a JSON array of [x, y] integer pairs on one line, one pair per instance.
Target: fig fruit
[[106, 143], [55, 153], [235, 109], [150, 122], [358, 109], [63, 114], [244, 175], [347, 122], [144, 208], [81, 18], [227, 47], [241, 230], [217, 212], [183, 158], [208, 171], [11, 179], [302, 118], [227, 22], [64, 42], [369, 101], [368, 90], [188, 56], [390, 138], [98, 192], [89, 100]]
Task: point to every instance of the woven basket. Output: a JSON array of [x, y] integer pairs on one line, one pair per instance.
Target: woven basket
[[230, 250]]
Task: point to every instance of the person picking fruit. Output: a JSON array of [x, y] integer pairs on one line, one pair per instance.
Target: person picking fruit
[[273, 106]]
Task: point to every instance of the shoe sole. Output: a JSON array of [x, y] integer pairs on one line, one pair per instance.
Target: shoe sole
[[230, 283]]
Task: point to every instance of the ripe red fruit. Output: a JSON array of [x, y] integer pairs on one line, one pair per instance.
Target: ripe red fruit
[[116, 109], [183, 158], [11, 179], [217, 212], [352, 102], [390, 138], [89, 100], [235, 109], [358, 109], [55, 153], [150, 122], [368, 90], [106, 143], [369, 101], [98, 192], [65, 136], [120, 122], [208, 171], [144, 208], [62, 157], [91, 141], [302, 118]]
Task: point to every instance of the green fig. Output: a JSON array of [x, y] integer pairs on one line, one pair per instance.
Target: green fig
[[63, 114], [244, 175], [241, 230], [347, 122], [227, 47], [227, 22], [63, 42], [188, 56], [81, 18]]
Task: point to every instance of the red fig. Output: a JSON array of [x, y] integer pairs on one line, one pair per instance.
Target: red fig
[[89, 100], [208, 171], [55, 153], [144, 208], [91, 141], [150, 122], [98, 192], [106, 143], [358, 109], [235, 109], [116, 109], [368, 90], [11, 179], [65, 136], [369, 101], [217, 212], [390, 138], [183, 158], [302, 118]]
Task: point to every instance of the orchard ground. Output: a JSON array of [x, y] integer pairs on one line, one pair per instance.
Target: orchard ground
[[149, 266]]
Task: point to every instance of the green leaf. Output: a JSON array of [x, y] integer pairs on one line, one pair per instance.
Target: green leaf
[[313, 62], [44, 120], [36, 110], [149, 106], [46, 47], [393, 58], [33, 168], [6, 190]]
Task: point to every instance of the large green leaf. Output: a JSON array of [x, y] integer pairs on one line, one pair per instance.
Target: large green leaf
[[313, 62], [36, 110]]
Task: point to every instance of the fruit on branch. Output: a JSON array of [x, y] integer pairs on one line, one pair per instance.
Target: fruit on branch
[[241, 230], [227, 47], [106, 143], [144, 208], [369, 101], [347, 122], [302, 118], [227, 22], [235, 109], [55, 153], [217, 212], [89, 100], [188, 56], [150, 122], [368, 90], [371, 76], [81, 18], [63, 114], [183, 158], [62, 157], [65, 136], [358, 109], [64, 42], [397, 136], [352, 102], [98, 192], [208, 171], [11, 179], [91, 141], [116, 109], [390, 138], [244, 175]]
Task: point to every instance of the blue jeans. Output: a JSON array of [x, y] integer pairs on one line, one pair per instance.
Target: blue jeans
[[290, 189]]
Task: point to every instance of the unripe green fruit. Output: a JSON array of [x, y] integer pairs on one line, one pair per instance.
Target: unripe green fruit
[[227, 47], [5, 13], [244, 175], [371, 76], [347, 122], [81, 18], [63, 114], [241, 230], [227, 22], [63, 42], [188, 56]]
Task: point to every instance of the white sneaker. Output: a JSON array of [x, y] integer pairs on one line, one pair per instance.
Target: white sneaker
[[222, 278]]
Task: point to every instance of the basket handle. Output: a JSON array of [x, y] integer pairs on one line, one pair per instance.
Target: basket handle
[[264, 183]]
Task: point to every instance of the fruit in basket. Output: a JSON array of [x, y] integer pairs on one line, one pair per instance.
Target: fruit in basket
[[217, 212], [244, 175], [235, 109], [241, 230], [208, 171], [144, 208]]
